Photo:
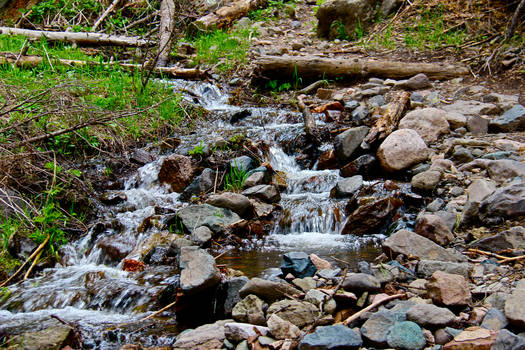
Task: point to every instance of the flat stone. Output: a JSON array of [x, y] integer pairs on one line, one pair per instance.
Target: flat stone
[[515, 305], [425, 268], [448, 289], [510, 121], [299, 313], [471, 108], [199, 272], [348, 141], [431, 316], [206, 337], [237, 332], [507, 340], [411, 244], [513, 238], [406, 335], [402, 149], [347, 187], [268, 290], [497, 300], [417, 82], [456, 120], [320, 263], [494, 319], [331, 338], [375, 329], [249, 310], [282, 329], [505, 202], [52, 338], [215, 218], [472, 338], [434, 228], [361, 282], [298, 264], [478, 124], [429, 123], [267, 193], [236, 202], [305, 284], [426, 180]]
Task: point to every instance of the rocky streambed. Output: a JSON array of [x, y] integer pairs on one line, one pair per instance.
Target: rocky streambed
[[247, 234]]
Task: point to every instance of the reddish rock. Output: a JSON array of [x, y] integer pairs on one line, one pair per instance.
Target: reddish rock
[[116, 248], [472, 338], [327, 160], [434, 228], [448, 289], [176, 171], [320, 263], [371, 216], [332, 106]]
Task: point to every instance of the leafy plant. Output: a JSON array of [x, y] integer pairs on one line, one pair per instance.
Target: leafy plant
[[197, 150], [234, 180]]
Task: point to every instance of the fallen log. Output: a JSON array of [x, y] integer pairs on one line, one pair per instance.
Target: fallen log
[[389, 120], [34, 61], [225, 15], [80, 38], [316, 67]]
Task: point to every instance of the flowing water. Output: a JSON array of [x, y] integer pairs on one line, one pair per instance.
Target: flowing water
[[90, 289]]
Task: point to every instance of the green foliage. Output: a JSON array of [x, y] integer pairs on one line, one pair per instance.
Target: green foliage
[[68, 8], [338, 27], [224, 49], [197, 150], [268, 13], [235, 178]]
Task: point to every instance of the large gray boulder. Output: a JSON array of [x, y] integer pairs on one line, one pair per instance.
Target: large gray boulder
[[215, 218], [346, 143], [199, 272], [268, 290], [236, 202], [411, 244], [351, 14], [402, 149], [429, 123], [347, 187]]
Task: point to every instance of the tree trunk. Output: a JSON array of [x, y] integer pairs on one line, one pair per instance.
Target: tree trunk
[[167, 25], [316, 67], [224, 16], [33, 61], [79, 38], [389, 120]]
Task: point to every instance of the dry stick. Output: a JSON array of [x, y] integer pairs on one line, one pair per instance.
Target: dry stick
[[23, 51], [32, 265], [216, 177], [370, 307], [500, 257], [104, 15], [139, 21], [37, 251], [149, 316]]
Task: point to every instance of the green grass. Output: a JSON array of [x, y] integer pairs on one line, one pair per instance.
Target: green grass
[[235, 178], [268, 13], [226, 50]]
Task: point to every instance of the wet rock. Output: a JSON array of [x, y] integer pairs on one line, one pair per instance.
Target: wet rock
[[331, 338], [434, 228], [472, 338], [448, 289], [471, 108], [494, 319], [375, 329], [431, 316], [369, 217], [505, 202], [299, 313], [425, 268], [510, 121], [199, 272], [216, 219], [305, 284], [200, 185], [319, 298], [426, 180], [177, 172], [507, 340], [406, 335], [232, 287], [201, 236], [237, 332], [268, 290], [411, 244], [327, 160], [282, 329], [159, 255], [141, 157], [249, 310], [234, 201], [361, 282], [363, 165], [115, 248], [320, 264], [347, 187], [514, 238], [347, 142], [402, 149], [478, 125], [298, 264], [261, 209], [429, 123], [206, 337], [267, 193], [53, 338], [515, 305], [243, 163], [113, 197]]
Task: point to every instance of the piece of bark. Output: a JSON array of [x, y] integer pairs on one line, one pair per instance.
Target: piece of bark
[[33, 61], [80, 38], [316, 67], [225, 15], [167, 25], [389, 120]]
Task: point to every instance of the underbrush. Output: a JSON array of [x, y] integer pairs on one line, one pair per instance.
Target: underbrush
[[56, 122]]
